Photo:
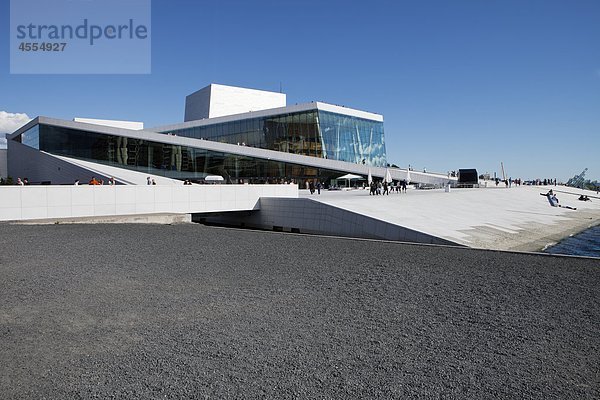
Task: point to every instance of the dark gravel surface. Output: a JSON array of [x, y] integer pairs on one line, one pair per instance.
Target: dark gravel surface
[[188, 311]]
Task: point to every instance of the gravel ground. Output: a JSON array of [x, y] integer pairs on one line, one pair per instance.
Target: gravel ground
[[189, 311]]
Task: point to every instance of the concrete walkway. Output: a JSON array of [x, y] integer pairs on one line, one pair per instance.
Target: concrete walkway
[[515, 218]]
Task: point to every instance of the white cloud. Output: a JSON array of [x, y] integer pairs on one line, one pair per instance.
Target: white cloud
[[10, 122]]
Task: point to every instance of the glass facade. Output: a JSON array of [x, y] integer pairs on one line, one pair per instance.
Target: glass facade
[[352, 139], [31, 137], [173, 161], [313, 133]]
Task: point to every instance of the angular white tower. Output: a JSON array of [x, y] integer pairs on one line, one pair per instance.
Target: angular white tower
[[220, 100]]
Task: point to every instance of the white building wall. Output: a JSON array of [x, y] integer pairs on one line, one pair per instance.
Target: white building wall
[[230, 100], [220, 100], [42, 202]]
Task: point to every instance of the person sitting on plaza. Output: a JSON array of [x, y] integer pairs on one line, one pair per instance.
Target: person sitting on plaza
[[553, 200]]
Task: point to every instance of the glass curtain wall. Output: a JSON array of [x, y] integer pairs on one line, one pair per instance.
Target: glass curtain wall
[[31, 137], [352, 139], [311, 133], [173, 161], [291, 133]]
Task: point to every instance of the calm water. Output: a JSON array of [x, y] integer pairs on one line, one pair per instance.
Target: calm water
[[586, 243]]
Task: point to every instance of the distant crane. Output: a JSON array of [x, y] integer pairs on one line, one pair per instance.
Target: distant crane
[[578, 180]]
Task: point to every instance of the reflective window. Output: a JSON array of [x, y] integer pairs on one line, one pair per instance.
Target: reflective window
[[313, 133], [173, 161], [31, 137], [352, 139]]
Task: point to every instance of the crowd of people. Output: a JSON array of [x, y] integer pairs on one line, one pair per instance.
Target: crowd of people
[[384, 188], [97, 182], [375, 188], [508, 182]]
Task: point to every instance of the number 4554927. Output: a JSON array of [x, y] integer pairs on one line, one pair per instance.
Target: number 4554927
[[25, 46]]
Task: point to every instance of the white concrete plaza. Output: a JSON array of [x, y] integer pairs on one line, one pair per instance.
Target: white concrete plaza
[[494, 217]]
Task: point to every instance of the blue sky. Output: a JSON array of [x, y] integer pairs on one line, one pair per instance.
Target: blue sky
[[460, 83]]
